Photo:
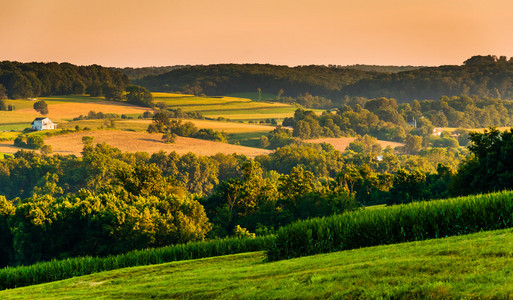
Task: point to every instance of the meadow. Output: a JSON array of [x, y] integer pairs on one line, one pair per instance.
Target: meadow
[[342, 143], [63, 109], [137, 141], [233, 108], [472, 266]]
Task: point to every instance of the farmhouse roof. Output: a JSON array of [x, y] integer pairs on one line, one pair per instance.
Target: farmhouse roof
[[39, 119]]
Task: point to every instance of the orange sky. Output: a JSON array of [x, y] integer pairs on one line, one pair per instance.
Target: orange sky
[[290, 32]]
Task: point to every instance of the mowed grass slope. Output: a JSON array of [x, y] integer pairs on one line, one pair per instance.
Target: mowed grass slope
[[473, 266]]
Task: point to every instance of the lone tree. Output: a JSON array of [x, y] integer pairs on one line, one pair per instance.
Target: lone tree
[[41, 107]]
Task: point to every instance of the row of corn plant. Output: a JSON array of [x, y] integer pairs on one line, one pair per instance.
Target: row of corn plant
[[12, 277], [396, 224]]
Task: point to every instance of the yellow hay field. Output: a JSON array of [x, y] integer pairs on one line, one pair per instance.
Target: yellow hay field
[[342, 143], [128, 141], [73, 110], [227, 127], [8, 147], [59, 112]]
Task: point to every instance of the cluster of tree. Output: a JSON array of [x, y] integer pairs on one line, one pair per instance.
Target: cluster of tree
[[92, 115], [489, 167], [380, 120], [41, 107], [29, 142], [44, 227], [176, 113], [163, 124], [25, 80], [307, 100], [263, 203], [385, 119]]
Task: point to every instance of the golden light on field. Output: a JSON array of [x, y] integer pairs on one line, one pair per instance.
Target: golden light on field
[[128, 141], [342, 143], [169, 32]]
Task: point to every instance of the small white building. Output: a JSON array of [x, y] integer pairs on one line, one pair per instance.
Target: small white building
[[438, 131], [43, 124]]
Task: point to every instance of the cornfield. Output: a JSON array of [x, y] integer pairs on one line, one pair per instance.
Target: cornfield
[[403, 223], [12, 277]]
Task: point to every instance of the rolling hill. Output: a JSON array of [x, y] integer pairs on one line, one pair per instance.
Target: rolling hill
[[471, 266]]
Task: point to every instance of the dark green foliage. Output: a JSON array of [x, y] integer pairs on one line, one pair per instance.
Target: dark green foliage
[[13, 277], [407, 187], [138, 95], [397, 224], [320, 159], [45, 227], [169, 138], [3, 92], [29, 142], [233, 78], [92, 115], [41, 107], [112, 91], [138, 73], [162, 123], [23, 80], [490, 165], [484, 76]]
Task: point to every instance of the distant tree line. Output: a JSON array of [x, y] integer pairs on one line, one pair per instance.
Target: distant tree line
[[138, 73], [483, 76], [231, 78], [25, 80]]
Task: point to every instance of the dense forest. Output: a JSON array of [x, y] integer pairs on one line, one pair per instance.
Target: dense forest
[[231, 78], [138, 73], [483, 76], [25, 80]]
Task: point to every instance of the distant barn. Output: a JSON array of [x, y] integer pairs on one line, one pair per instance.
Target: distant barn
[[42, 124]]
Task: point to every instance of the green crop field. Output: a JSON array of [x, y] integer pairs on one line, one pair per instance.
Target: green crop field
[[234, 108], [471, 266], [254, 96]]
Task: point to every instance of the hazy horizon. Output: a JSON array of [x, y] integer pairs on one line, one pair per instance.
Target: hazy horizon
[[131, 33]]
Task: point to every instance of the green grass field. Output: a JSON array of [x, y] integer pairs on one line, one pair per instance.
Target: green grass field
[[233, 108], [472, 266], [254, 96]]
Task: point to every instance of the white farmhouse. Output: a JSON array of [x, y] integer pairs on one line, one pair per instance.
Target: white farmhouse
[[43, 124]]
